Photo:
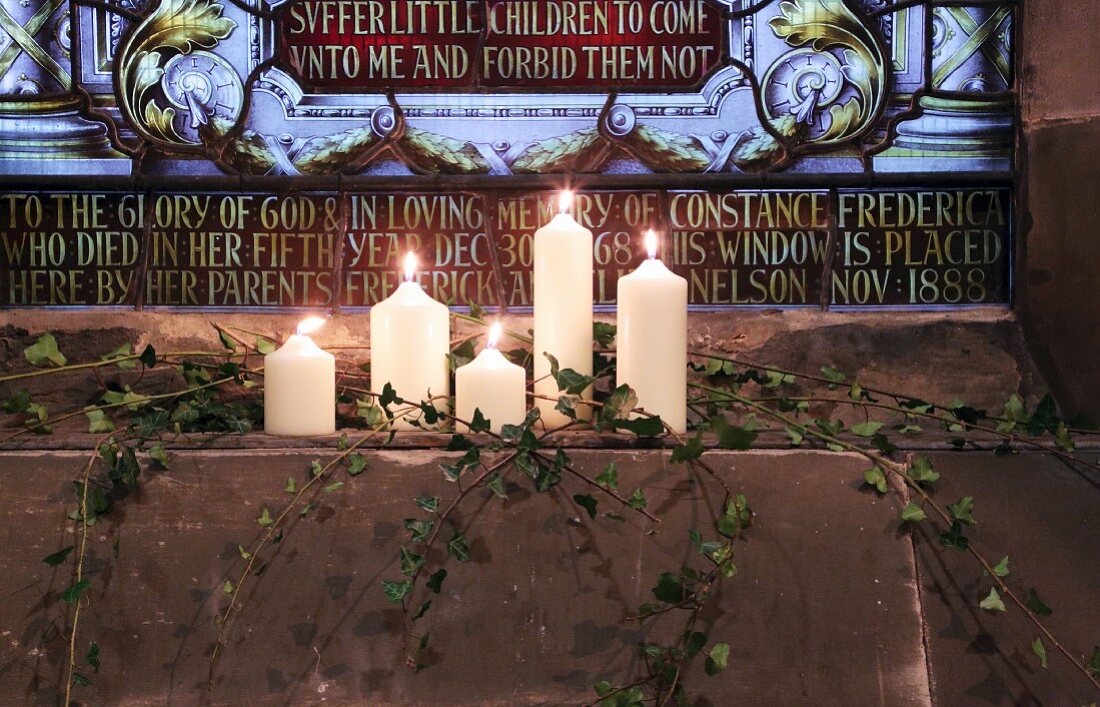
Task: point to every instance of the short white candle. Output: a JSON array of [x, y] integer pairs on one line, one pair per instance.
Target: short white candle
[[492, 384], [651, 355], [563, 307], [300, 386], [410, 337]]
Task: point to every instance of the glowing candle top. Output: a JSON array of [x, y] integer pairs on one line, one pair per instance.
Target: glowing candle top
[[565, 201], [651, 244], [410, 266], [309, 325]]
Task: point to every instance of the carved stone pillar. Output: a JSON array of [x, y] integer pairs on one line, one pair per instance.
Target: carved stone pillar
[[966, 121], [41, 128]]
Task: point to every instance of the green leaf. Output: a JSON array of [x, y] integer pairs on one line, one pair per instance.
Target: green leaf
[[410, 562], [993, 601], [81, 680], [832, 375], [435, 582], [694, 643], [148, 357], [44, 352], [620, 403], [18, 403], [954, 538], [609, 477], [265, 518], [495, 483], [732, 436], [922, 472], [642, 426], [305, 510], [689, 451], [913, 513], [227, 588], [227, 341], [418, 529], [158, 454], [963, 510], [717, 658], [876, 477], [56, 558], [670, 589], [795, 436], [74, 592], [357, 464], [638, 501], [291, 485], [125, 351], [865, 429], [428, 503], [602, 688], [264, 346], [245, 554], [1001, 568], [603, 334], [569, 381], [458, 549], [396, 591], [336, 486], [587, 502], [422, 610], [1093, 666], [315, 469], [92, 656], [1035, 605], [1040, 650]]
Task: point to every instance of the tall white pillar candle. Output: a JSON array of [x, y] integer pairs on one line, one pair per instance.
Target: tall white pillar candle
[[300, 386], [492, 384], [651, 356], [410, 337], [563, 307]]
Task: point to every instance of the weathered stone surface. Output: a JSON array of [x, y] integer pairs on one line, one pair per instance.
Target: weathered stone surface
[[1046, 517], [824, 609]]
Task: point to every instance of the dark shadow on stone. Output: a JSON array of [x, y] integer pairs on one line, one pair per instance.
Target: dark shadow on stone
[[303, 633], [276, 680], [378, 623], [589, 638], [577, 680], [338, 586], [374, 681]]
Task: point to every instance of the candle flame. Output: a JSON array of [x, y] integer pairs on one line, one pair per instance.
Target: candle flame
[[410, 266], [651, 243], [309, 325], [565, 201], [494, 335]]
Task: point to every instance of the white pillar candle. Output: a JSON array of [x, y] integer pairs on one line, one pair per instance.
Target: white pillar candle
[[563, 307], [492, 384], [300, 386], [651, 356], [410, 337]]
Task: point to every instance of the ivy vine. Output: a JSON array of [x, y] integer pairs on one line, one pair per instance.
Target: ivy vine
[[161, 399]]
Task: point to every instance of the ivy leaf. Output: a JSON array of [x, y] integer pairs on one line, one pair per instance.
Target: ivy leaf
[[17, 403], [670, 589], [245, 554], [422, 610], [148, 357], [1040, 650], [158, 454], [963, 510], [642, 426], [81, 680], [689, 451], [795, 436], [603, 334], [1001, 568], [435, 582], [717, 658], [621, 402], [954, 538], [877, 478], [264, 346], [865, 429], [396, 591], [74, 592], [227, 341], [265, 519], [587, 502], [833, 376], [291, 485], [609, 477], [44, 352], [357, 464], [732, 436], [694, 643], [479, 423], [993, 601], [428, 503], [410, 562], [458, 549], [227, 588], [1035, 605], [495, 483], [98, 422], [638, 501], [913, 513], [92, 656], [922, 472], [336, 486], [418, 529], [1093, 666], [569, 381], [305, 510], [124, 352], [56, 558]]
